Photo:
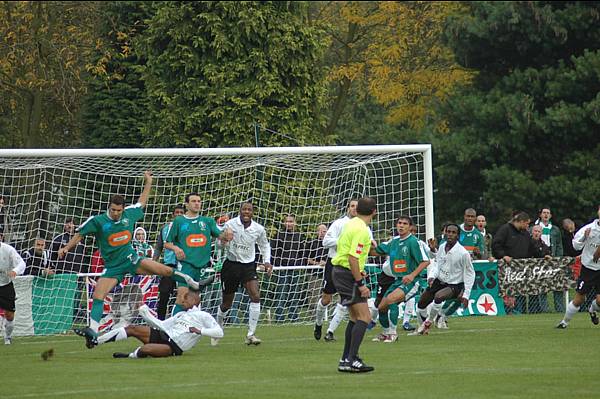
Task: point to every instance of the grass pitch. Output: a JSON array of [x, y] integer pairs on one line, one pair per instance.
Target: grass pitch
[[479, 357]]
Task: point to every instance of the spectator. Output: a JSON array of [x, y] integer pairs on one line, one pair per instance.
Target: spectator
[[288, 250], [37, 260], [512, 240], [481, 224], [539, 303], [470, 237], [567, 234], [141, 245], [97, 264], [73, 262], [551, 237]]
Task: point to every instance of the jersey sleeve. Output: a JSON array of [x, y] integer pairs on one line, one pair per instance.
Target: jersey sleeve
[[417, 252], [360, 244], [383, 248], [134, 212], [172, 233], [215, 231], [88, 227]]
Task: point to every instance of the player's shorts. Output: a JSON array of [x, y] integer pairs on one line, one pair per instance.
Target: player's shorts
[[235, 274], [410, 289], [328, 286], [129, 266], [7, 297], [346, 286], [587, 280], [383, 283], [197, 273], [438, 285], [161, 337]]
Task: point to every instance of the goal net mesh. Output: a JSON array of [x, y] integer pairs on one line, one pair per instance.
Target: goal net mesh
[[40, 193]]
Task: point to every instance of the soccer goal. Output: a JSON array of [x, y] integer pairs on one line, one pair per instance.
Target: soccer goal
[[42, 188]]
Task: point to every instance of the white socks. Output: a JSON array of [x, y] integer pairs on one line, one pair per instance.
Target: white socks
[[221, 316], [320, 312], [114, 335], [253, 318], [338, 316], [8, 328], [134, 354], [435, 310], [409, 308], [570, 312], [94, 325], [594, 307]]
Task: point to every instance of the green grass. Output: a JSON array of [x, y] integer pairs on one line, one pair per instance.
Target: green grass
[[504, 357]]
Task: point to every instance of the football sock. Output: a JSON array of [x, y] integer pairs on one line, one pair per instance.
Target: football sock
[[358, 333], [114, 335], [135, 353], [594, 306], [320, 312], [338, 316], [408, 310], [422, 314], [435, 310], [384, 319], [96, 314], [253, 319], [393, 315], [570, 312], [8, 328], [347, 339], [221, 316]]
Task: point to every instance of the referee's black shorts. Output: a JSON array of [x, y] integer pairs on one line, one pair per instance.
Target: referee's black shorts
[[346, 286], [7, 297]]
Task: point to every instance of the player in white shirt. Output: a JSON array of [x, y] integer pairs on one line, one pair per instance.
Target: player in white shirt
[[453, 278], [240, 267], [330, 242], [11, 265], [170, 337], [588, 240]]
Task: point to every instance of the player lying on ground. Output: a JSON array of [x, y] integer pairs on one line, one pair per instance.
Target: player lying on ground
[[170, 337]]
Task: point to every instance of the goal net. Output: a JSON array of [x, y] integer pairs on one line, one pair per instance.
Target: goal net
[[44, 188]]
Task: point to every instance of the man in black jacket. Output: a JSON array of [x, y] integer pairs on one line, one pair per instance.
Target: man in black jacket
[[512, 240]]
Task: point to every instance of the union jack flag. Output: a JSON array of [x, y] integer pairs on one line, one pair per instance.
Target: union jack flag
[[127, 292]]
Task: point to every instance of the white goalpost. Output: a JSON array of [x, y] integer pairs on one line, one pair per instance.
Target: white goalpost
[[42, 188]]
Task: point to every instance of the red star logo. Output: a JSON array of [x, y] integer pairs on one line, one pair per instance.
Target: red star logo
[[487, 306]]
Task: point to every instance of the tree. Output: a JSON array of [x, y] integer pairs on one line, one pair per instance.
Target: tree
[[116, 108], [525, 134], [44, 50], [215, 69], [392, 52]]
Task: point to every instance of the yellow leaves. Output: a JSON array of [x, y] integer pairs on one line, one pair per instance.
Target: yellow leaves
[[396, 50]]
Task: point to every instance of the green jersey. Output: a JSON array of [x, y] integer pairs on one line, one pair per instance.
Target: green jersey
[[193, 236], [113, 237], [405, 254], [355, 241], [471, 239]]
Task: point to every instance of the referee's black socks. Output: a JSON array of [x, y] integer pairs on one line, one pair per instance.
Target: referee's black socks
[[357, 335], [348, 339]]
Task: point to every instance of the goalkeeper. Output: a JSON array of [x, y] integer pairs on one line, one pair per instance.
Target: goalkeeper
[[113, 231], [170, 337]]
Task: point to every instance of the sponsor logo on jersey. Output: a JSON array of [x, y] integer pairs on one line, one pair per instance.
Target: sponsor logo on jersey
[[196, 240], [399, 266], [469, 248], [359, 249], [119, 239]]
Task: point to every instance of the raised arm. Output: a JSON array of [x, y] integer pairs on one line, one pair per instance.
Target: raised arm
[[70, 245], [147, 187]]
